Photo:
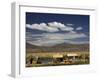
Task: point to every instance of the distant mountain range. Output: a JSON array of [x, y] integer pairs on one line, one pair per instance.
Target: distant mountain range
[[57, 48]]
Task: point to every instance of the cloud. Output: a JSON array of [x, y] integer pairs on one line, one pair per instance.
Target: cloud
[[60, 26], [56, 24], [46, 42], [73, 32], [59, 36], [50, 27], [78, 42], [49, 39], [42, 27], [70, 24], [79, 28]]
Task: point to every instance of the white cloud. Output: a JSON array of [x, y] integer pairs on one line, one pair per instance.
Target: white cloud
[[79, 28], [46, 42], [67, 28], [61, 26], [78, 42], [59, 36], [56, 24], [50, 27], [70, 24], [42, 27], [49, 39]]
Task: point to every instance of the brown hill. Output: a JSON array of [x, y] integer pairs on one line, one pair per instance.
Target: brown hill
[[57, 48]]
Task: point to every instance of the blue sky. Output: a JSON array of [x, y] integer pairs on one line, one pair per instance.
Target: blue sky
[[49, 29]]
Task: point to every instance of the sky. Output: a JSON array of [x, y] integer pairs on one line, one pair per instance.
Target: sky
[[48, 29]]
